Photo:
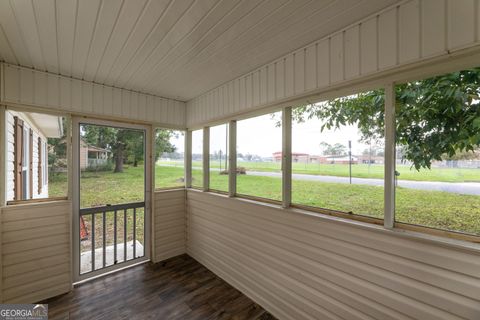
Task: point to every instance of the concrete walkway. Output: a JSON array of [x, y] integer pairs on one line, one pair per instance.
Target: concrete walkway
[[86, 256], [472, 188]]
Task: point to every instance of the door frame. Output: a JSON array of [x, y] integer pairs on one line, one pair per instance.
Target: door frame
[[76, 121]]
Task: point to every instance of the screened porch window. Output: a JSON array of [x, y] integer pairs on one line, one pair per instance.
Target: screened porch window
[[36, 144]]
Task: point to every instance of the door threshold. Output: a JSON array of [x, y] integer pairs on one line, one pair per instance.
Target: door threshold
[[106, 273]]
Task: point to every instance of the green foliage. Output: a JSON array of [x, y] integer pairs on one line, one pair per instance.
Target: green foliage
[[436, 117], [337, 149], [162, 142], [99, 136], [127, 145], [57, 149], [57, 152], [107, 166]]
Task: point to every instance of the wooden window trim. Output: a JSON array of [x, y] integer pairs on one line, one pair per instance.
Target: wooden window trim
[[340, 214], [18, 158], [259, 199], [169, 188], [45, 179], [437, 232], [40, 165], [30, 161], [218, 191], [40, 200]]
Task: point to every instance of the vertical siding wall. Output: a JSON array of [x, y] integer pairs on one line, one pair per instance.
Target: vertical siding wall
[[28, 87], [411, 32], [303, 266], [36, 251], [169, 224]]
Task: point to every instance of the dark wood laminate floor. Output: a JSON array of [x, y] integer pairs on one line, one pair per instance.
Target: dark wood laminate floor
[[179, 288]]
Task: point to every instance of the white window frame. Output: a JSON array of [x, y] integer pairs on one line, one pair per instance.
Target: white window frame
[[388, 219], [227, 123]]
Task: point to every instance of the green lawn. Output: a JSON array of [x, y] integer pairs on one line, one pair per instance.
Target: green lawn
[[429, 208], [361, 171]]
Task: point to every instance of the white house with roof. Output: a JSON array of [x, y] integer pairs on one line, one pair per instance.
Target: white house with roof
[[27, 153]]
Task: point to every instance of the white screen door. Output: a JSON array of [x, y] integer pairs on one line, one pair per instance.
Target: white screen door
[[111, 226]]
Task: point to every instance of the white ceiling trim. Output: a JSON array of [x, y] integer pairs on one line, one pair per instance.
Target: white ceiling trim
[[406, 34], [22, 86], [172, 48]]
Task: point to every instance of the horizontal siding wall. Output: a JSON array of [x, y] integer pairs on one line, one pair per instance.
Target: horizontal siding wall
[[169, 224], [411, 32], [36, 251], [306, 266], [34, 88]]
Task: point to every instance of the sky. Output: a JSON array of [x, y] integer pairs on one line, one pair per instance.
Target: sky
[[260, 136]]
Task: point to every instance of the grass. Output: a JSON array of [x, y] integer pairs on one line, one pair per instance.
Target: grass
[[434, 209], [361, 171], [105, 187]]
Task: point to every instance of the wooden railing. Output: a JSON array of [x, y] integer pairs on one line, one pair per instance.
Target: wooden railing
[[129, 208]]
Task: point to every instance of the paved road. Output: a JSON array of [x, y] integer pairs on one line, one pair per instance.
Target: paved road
[[472, 188]]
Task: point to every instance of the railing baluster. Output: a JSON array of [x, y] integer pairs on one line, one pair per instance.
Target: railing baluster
[[104, 239], [134, 232], [93, 241], [124, 235], [115, 237], [93, 211], [144, 240]]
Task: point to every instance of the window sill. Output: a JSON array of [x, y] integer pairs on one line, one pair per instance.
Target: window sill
[[218, 192], [158, 190], [410, 232], [33, 201]]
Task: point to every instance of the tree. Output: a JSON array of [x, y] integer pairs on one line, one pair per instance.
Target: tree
[[126, 145], [435, 118], [462, 155], [57, 150], [337, 149], [162, 142]]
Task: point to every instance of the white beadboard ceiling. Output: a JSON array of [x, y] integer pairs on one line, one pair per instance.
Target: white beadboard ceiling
[[172, 48]]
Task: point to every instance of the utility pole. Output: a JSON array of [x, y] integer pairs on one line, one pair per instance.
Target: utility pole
[[226, 147], [350, 158]]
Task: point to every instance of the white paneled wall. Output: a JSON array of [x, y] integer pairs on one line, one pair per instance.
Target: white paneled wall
[[169, 224], [306, 266], [33, 88], [411, 32]]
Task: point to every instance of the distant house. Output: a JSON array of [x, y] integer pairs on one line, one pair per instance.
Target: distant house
[[365, 159], [91, 156], [342, 160], [27, 154], [298, 157], [317, 159]]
